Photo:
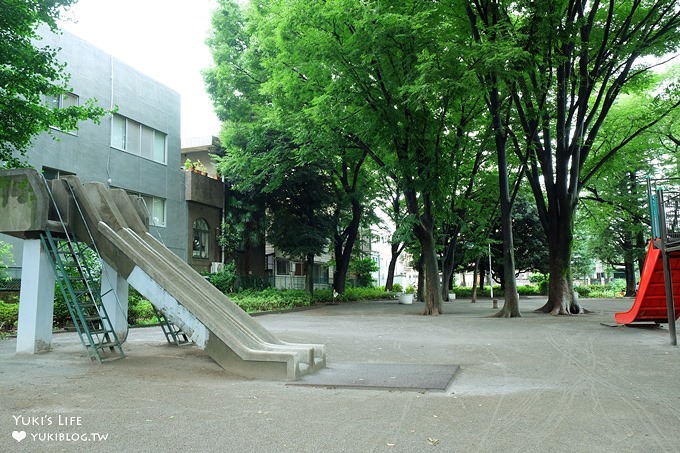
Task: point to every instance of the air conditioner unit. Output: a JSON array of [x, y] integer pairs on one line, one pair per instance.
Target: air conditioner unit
[[216, 267]]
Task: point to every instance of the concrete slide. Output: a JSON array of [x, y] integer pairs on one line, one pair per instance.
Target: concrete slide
[[236, 341], [650, 301]]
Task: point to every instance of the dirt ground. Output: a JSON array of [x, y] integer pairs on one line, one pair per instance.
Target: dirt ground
[[533, 384]]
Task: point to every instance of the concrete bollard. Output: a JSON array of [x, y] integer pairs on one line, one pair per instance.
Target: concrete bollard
[[494, 303]]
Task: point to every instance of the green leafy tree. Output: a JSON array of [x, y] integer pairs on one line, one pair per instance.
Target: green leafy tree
[[393, 199], [241, 87], [364, 268], [381, 78], [492, 56], [572, 62], [531, 251], [29, 76], [300, 221]]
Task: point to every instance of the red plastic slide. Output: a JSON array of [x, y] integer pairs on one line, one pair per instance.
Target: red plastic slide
[[650, 302]]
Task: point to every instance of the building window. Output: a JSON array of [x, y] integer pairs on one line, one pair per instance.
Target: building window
[[201, 238], [138, 139], [282, 267], [155, 207], [62, 101]]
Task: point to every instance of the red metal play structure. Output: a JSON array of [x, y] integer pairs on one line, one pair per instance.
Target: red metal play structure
[[658, 296], [650, 301]]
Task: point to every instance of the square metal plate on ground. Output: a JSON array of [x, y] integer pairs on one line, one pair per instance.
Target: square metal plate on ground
[[386, 376]]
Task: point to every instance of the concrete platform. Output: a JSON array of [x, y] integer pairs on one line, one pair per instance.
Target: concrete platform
[[535, 384], [387, 376]]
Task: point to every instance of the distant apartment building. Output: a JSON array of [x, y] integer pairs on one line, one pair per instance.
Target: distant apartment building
[[204, 195], [137, 148]]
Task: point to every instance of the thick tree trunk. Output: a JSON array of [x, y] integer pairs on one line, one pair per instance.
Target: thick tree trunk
[[420, 284], [561, 298], [432, 294]]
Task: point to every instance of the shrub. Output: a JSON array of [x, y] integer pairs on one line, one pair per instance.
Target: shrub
[[140, 310], [62, 316], [225, 279], [352, 294], [271, 299], [528, 290], [9, 314], [397, 288], [364, 268]]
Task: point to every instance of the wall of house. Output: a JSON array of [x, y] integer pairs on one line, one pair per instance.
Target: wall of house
[[88, 152], [213, 216]]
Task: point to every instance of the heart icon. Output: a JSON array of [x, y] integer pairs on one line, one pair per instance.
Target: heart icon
[[19, 435]]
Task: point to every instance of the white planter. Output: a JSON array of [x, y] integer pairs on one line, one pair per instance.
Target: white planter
[[406, 299], [452, 296]]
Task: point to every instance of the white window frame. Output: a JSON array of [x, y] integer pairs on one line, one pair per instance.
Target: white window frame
[[138, 138]]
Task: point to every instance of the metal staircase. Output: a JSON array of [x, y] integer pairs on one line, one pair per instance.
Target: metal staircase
[[173, 334], [81, 291], [80, 286]]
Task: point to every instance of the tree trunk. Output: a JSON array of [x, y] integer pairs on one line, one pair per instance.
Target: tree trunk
[[420, 282], [631, 280], [482, 277], [561, 300], [511, 306], [394, 257], [640, 242], [474, 281], [447, 274], [309, 274], [428, 253], [342, 248]]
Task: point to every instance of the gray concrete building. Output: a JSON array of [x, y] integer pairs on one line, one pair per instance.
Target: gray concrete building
[[137, 148]]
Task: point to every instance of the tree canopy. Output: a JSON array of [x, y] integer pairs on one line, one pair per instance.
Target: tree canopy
[[396, 91]]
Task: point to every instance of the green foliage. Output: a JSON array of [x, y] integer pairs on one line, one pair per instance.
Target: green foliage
[[29, 72], [6, 258], [62, 316], [466, 291], [531, 245], [613, 289], [271, 299], [140, 310], [397, 288], [352, 295], [541, 281], [225, 279], [287, 299], [363, 268], [9, 314]]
